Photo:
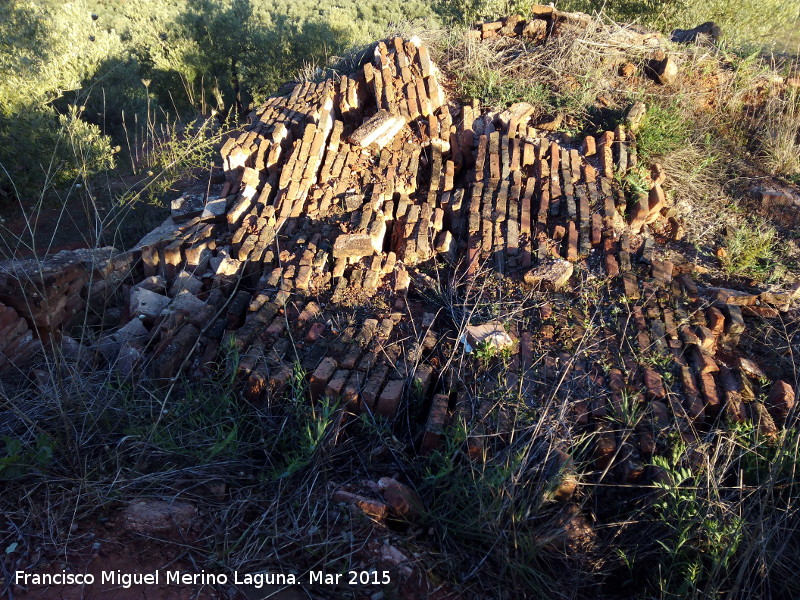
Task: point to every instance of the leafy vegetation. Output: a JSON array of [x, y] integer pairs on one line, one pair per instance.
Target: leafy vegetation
[[493, 88], [663, 130], [750, 250]]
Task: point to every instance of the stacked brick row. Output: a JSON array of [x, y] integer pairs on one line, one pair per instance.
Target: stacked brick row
[[546, 20], [529, 198], [17, 343], [48, 293]]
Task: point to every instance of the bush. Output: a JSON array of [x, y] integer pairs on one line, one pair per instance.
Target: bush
[[241, 50], [42, 149], [750, 251], [495, 89], [44, 52], [779, 134], [663, 130], [466, 12]]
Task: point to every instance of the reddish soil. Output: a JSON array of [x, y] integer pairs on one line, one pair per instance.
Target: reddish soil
[[114, 550]]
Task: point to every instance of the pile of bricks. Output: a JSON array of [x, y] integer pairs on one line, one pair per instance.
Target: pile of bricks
[[48, 293], [546, 20], [341, 194]]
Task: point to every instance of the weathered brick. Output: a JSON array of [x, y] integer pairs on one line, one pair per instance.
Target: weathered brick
[[780, 402], [434, 427]]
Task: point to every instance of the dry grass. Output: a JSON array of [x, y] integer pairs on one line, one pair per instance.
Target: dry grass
[[566, 73], [779, 134]]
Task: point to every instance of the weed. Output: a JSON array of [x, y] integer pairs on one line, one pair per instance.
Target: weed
[[703, 536], [495, 89], [634, 182], [750, 250], [306, 424], [489, 512], [629, 411], [17, 459], [487, 351], [663, 130], [779, 134]]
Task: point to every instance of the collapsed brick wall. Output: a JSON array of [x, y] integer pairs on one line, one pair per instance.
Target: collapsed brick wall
[[342, 193], [46, 295]]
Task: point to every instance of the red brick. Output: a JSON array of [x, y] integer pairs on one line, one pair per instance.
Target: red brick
[[389, 400], [780, 402], [315, 332], [372, 508], [436, 422], [654, 385], [336, 384], [604, 449], [708, 387]]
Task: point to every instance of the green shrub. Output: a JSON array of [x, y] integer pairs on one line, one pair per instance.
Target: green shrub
[[663, 130], [779, 134], [44, 52], [41, 148], [495, 89], [750, 250], [466, 12], [241, 50]]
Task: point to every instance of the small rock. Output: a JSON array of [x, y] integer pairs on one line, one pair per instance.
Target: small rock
[[185, 281], [403, 501], [552, 274], [147, 303], [772, 199], [519, 112], [535, 29], [187, 206], [372, 508], [154, 283], [662, 68], [187, 303], [224, 264], [214, 209], [390, 555], [491, 334], [129, 360], [706, 32], [379, 129], [635, 115], [676, 229], [157, 517], [751, 369], [780, 402], [627, 69]]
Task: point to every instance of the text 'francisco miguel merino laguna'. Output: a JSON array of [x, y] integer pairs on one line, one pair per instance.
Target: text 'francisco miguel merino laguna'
[[257, 580]]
